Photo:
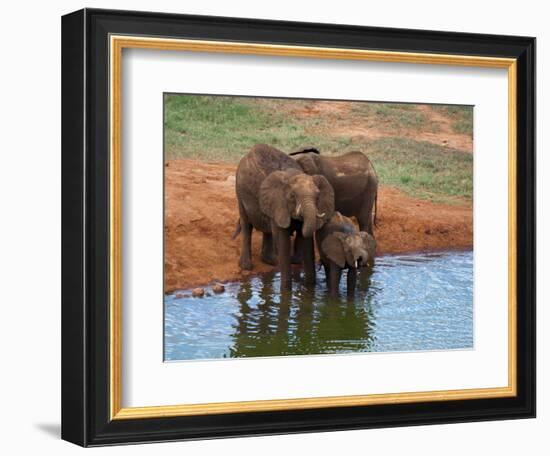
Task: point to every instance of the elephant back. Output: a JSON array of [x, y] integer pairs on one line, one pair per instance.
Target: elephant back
[[348, 164], [262, 160], [337, 223]]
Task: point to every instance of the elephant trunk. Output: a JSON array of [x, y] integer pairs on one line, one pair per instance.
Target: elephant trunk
[[363, 256], [309, 215]]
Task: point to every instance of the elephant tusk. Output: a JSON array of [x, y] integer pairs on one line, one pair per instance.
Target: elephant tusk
[[299, 209], [321, 215], [355, 264]]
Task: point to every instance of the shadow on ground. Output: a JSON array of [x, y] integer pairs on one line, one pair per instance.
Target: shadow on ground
[[51, 429]]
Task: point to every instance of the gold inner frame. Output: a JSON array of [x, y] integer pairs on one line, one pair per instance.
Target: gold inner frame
[[117, 44]]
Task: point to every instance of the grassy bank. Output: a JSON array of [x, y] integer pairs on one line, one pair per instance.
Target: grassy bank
[[422, 169], [224, 128], [462, 117]]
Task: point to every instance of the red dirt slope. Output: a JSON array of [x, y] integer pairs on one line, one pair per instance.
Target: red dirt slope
[[201, 214]]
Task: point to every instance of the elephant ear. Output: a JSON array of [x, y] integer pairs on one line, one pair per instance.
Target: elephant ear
[[333, 247], [325, 202], [309, 163], [273, 201], [369, 243]]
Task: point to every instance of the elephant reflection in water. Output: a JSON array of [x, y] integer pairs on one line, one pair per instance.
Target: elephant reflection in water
[[302, 322], [262, 322]]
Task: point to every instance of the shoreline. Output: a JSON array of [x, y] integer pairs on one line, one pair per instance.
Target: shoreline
[[201, 214], [249, 274]]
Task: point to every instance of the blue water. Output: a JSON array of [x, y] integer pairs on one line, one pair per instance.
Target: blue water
[[404, 303]]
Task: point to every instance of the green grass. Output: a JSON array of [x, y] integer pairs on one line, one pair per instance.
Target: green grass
[[422, 169], [462, 117], [224, 128], [393, 115]]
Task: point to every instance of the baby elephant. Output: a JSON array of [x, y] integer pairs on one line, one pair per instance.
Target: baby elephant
[[342, 246]]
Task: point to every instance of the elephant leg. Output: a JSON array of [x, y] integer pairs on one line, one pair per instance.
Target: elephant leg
[[245, 261], [364, 218], [334, 281], [366, 214], [282, 240], [308, 255], [297, 257], [352, 280], [327, 274], [268, 255]]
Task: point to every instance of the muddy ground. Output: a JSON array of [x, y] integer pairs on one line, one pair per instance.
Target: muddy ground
[[201, 214]]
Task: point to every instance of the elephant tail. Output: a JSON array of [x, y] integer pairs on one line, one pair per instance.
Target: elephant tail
[[374, 219], [237, 230]]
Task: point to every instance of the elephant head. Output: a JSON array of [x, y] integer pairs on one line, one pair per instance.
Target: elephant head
[[291, 194], [309, 160], [352, 249]]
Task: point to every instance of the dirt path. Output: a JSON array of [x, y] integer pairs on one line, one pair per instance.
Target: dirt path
[[445, 136], [437, 129], [201, 213]]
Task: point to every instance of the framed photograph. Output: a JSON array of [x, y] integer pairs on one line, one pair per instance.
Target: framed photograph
[[280, 227]]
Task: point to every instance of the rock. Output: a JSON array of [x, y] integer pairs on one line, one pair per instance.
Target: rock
[[180, 295], [218, 288], [198, 292]]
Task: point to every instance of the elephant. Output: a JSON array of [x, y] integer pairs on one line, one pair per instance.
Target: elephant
[[353, 179], [340, 247], [277, 198]]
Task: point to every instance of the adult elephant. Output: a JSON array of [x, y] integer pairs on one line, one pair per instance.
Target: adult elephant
[[277, 198], [353, 178]]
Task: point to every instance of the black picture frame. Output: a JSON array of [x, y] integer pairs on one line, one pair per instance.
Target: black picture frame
[[85, 227]]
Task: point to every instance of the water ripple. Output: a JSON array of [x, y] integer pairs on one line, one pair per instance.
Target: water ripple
[[406, 302]]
